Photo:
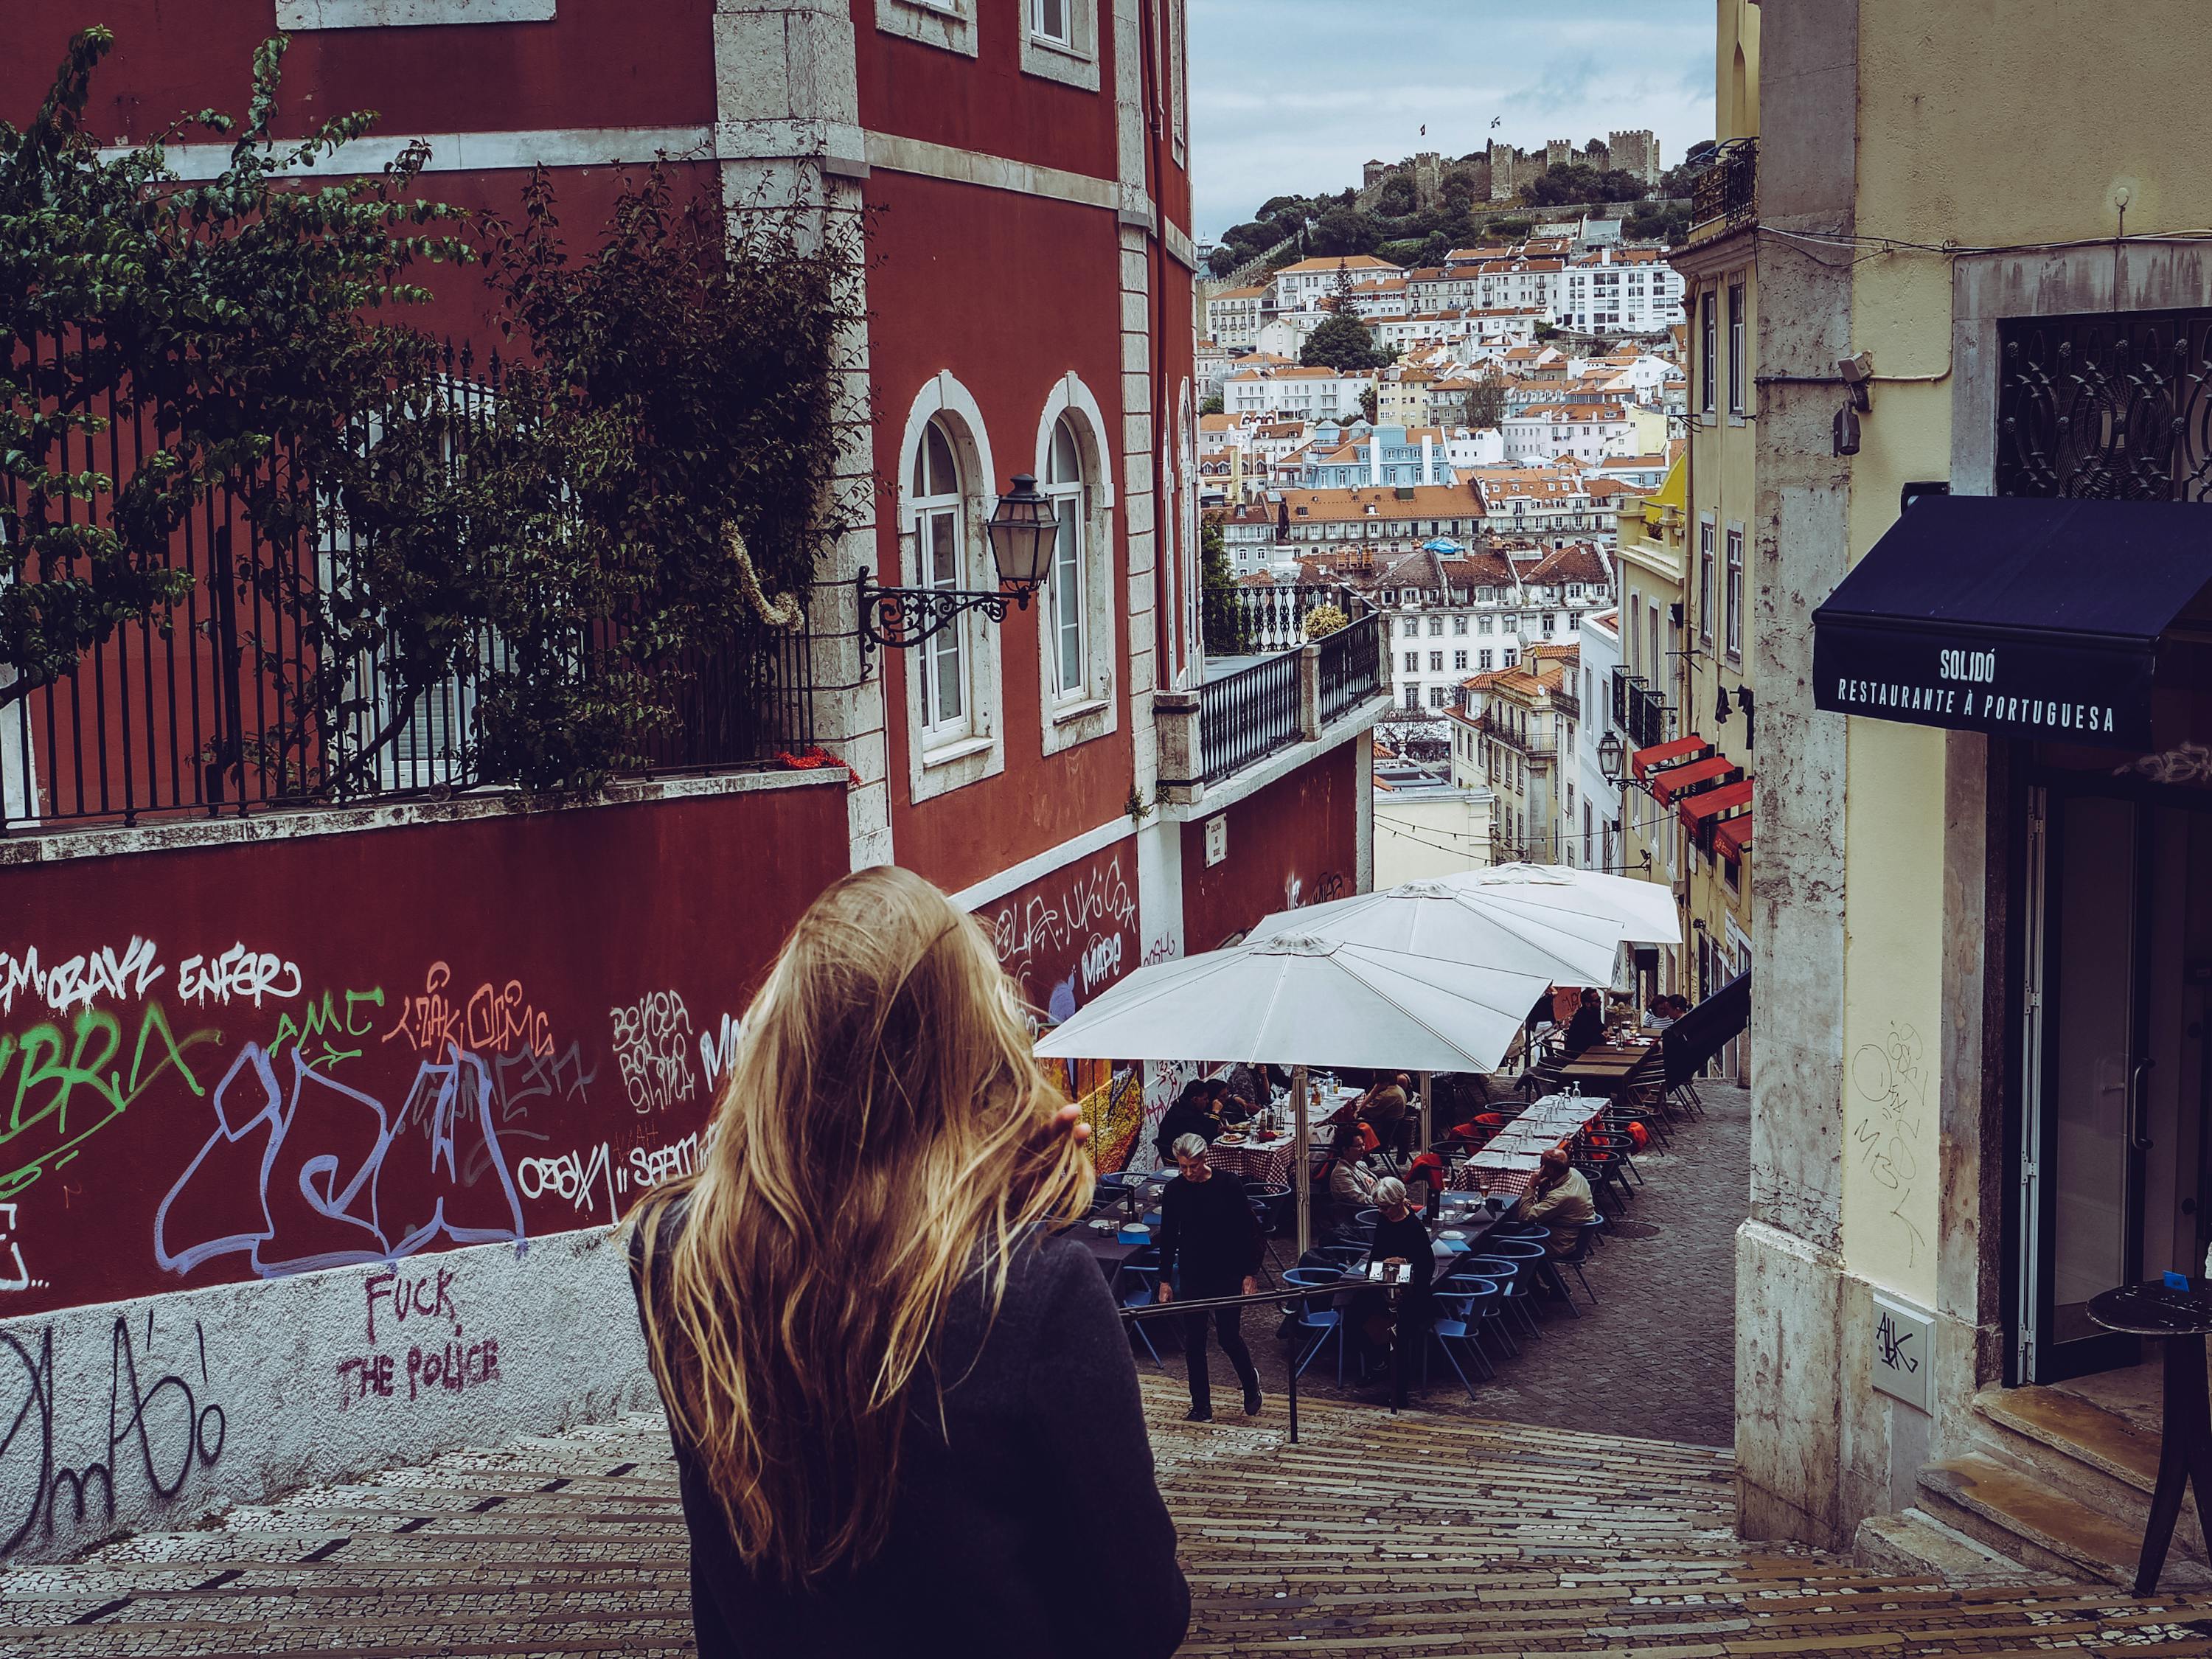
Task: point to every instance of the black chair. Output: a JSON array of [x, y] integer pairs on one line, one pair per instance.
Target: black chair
[[1585, 1236]]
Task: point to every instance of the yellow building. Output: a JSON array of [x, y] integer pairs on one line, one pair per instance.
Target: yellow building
[[1719, 270], [1983, 898], [1646, 700]]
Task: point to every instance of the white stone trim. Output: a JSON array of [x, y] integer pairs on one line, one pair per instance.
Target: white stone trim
[[980, 753], [1075, 65], [893, 153], [467, 152], [949, 24], [110, 841], [992, 889], [307, 16], [1094, 711]]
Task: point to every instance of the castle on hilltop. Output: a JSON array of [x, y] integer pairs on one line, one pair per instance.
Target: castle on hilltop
[[1499, 171]]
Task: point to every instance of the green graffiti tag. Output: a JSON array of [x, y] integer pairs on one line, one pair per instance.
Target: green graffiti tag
[[69, 1083], [320, 1022]]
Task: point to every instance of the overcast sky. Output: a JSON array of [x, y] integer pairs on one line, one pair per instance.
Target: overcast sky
[[1289, 97]]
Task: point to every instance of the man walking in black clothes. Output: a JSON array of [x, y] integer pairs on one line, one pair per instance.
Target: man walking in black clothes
[[1208, 1229]]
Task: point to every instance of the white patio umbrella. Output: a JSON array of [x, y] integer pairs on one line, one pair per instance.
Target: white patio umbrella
[[1295, 1000], [1554, 920]]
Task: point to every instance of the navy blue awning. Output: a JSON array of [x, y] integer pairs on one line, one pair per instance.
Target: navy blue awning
[[2031, 617]]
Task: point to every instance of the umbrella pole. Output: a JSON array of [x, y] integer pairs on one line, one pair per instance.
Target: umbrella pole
[[1301, 1144], [1425, 1124]]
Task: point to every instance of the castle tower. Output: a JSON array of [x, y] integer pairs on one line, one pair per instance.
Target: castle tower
[[1559, 153], [1505, 173], [1637, 153]]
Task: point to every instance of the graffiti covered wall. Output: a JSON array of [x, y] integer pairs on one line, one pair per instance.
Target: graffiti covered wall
[[1065, 938], [260, 1098]]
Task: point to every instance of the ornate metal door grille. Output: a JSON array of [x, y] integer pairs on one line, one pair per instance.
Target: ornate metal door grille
[[2109, 407]]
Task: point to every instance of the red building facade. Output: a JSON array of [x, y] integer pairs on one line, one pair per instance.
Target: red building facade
[[1020, 171]]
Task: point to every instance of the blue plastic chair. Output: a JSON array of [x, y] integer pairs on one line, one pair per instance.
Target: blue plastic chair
[[1318, 1320], [1535, 1258], [1504, 1272], [1135, 1284], [1457, 1321]]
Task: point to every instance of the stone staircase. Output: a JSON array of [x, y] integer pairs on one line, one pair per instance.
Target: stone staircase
[[2057, 1480], [1419, 1536]]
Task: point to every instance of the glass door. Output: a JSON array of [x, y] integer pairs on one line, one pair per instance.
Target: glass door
[[2084, 1141]]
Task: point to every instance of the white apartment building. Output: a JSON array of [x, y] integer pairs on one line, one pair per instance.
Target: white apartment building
[[1553, 505], [1305, 285], [1627, 290], [1303, 394], [1233, 319], [1585, 432], [1447, 616]]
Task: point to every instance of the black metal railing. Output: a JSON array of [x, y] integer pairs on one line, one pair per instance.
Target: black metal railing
[[1251, 620], [1351, 667], [220, 711], [1249, 716], [1726, 191], [1641, 714]]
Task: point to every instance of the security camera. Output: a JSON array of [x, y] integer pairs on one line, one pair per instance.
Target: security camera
[[1858, 375]]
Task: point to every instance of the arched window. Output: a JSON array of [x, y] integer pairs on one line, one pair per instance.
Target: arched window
[[1065, 484], [940, 542]]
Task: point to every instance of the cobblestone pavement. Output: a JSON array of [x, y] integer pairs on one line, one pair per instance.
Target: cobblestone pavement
[[1428, 1535], [1656, 1358]]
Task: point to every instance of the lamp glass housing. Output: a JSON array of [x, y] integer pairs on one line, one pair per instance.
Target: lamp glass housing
[[1023, 532], [1610, 754]]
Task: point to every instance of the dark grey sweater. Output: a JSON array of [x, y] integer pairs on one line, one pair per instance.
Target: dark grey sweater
[[1027, 1526]]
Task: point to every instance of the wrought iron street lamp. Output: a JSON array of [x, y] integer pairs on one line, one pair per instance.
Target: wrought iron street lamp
[[1611, 754], [1023, 533]]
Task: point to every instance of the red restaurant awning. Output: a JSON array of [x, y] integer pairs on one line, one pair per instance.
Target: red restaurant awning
[[1669, 753], [1733, 836], [1667, 785], [1714, 802]]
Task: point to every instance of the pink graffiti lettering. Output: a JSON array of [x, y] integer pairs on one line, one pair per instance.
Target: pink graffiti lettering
[[492, 1019]]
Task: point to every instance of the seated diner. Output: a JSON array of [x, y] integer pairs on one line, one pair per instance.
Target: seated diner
[[1559, 1199]]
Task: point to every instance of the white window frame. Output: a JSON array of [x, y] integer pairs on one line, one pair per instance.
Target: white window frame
[[940, 761], [1735, 593], [949, 25], [1092, 709], [1073, 61], [1707, 563]]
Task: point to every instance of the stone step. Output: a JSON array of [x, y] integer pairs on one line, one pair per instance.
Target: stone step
[[2025, 1518], [2091, 1455], [1914, 1541]]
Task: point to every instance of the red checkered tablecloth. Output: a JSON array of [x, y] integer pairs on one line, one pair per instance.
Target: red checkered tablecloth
[[1267, 1166]]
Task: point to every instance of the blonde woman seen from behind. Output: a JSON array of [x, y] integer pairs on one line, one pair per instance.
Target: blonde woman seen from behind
[[905, 1415]]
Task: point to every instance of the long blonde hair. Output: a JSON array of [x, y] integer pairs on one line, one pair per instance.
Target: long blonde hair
[[884, 1133]]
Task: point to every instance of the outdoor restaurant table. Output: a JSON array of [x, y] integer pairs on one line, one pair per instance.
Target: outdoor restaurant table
[[1108, 1250], [1604, 1067], [1268, 1160], [2181, 1319], [1507, 1162]]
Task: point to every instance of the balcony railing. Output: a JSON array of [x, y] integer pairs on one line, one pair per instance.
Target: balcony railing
[[1641, 714], [1247, 716], [221, 711], [1726, 194], [1351, 667], [1252, 620]]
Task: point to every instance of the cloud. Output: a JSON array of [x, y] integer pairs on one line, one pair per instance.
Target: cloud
[[1292, 96]]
